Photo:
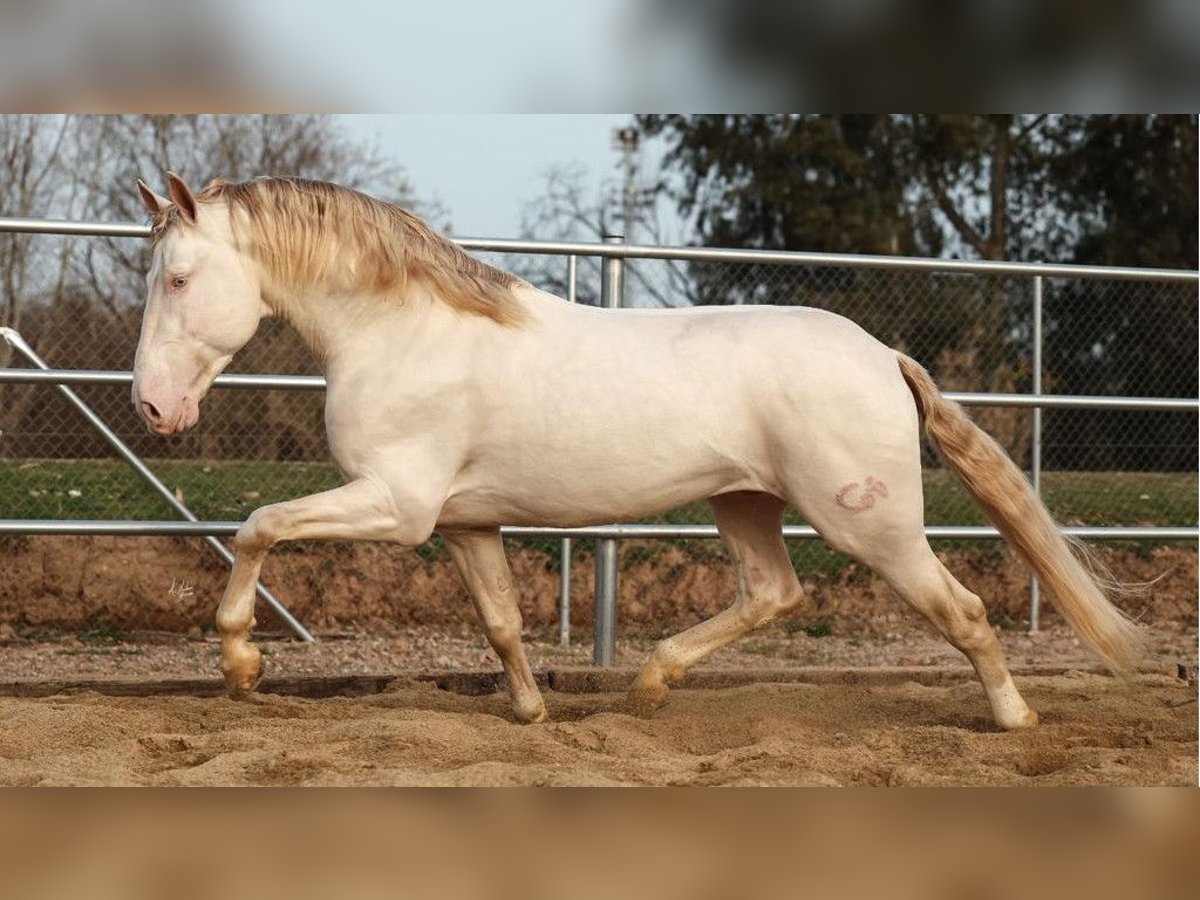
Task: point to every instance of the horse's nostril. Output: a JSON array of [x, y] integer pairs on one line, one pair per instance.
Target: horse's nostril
[[150, 411]]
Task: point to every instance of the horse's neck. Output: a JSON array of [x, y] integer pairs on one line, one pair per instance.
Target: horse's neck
[[346, 332], [332, 326]]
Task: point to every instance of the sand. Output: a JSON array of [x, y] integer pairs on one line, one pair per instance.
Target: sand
[[100, 608], [1095, 730]]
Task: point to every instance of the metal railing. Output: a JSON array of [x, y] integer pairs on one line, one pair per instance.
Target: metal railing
[[616, 250], [614, 254], [241, 381], [18, 343]]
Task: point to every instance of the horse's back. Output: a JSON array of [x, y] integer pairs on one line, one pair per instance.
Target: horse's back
[[776, 358]]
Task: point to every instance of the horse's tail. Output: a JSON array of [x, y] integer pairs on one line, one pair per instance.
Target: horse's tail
[[1001, 489]]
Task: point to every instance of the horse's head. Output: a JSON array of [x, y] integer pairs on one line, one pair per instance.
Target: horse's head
[[203, 304]]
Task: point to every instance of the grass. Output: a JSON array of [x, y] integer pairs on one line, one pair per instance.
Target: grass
[[105, 488], [108, 488]]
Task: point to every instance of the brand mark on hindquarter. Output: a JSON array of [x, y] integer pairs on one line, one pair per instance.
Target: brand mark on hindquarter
[[855, 498]]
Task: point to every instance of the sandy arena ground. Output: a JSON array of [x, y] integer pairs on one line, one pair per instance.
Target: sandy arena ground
[[1095, 730], [923, 721], [100, 685]]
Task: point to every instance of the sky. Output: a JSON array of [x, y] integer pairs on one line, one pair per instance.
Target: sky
[[485, 168]]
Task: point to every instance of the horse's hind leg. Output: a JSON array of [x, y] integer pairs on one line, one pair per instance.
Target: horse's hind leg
[[480, 558], [921, 579], [887, 535], [751, 526], [859, 485]]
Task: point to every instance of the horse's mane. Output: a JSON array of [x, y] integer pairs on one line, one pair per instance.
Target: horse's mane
[[304, 232]]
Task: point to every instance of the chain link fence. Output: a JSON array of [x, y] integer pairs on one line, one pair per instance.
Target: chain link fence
[[974, 332]]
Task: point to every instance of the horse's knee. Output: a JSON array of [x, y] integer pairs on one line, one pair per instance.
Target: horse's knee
[[259, 532], [840, 541]]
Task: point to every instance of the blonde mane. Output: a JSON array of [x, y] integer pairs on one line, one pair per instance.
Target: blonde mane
[[306, 232]]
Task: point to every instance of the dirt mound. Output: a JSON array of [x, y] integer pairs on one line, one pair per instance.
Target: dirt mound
[[76, 583]]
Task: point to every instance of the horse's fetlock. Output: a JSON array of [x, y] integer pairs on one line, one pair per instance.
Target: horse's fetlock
[[231, 624], [665, 660]]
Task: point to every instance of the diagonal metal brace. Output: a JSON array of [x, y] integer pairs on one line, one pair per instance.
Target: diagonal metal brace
[[18, 343]]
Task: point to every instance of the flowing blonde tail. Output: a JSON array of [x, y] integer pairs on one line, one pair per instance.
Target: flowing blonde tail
[[1001, 489]]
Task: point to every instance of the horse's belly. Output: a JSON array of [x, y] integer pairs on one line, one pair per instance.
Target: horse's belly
[[613, 451]]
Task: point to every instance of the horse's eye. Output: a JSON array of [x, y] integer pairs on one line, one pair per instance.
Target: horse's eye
[[179, 281]]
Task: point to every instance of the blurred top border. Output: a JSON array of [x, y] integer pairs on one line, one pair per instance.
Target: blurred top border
[[596, 55]]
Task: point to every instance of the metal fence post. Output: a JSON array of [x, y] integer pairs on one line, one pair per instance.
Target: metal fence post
[[604, 644], [604, 640], [1035, 460], [564, 559]]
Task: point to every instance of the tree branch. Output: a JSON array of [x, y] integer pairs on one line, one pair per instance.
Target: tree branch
[[1024, 132], [946, 205]]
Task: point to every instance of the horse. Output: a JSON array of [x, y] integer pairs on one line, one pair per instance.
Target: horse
[[461, 398]]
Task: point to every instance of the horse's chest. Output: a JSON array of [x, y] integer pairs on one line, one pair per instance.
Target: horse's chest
[[356, 428]]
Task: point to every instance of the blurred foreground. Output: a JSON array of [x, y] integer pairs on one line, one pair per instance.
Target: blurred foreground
[[1027, 844]]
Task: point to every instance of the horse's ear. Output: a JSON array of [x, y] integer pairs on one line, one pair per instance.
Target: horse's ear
[[154, 203], [181, 196]]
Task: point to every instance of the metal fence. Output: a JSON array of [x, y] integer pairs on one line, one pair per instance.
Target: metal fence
[[1087, 376]]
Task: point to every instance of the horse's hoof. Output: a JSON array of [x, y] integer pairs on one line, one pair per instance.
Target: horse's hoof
[[531, 717], [646, 696], [529, 710], [1028, 720], [241, 685]]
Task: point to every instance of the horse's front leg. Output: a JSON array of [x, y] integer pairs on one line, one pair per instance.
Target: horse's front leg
[[358, 511], [480, 558]]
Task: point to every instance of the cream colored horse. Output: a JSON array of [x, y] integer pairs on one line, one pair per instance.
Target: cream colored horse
[[460, 398]]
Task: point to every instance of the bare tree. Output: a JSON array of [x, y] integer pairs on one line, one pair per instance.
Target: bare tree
[[564, 212], [78, 300], [29, 186], [33, 183]]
